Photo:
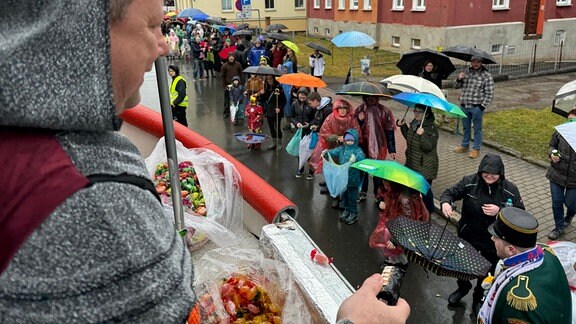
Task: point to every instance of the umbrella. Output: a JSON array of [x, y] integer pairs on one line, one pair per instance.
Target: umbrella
[[225, 51], [411, 83], [278, 36], [291, 46], [438, 250], [363, 89], [242, 26], [262, 70], [465, 53], [200, 16], [565, 99], [429, 100], [190, 12], [276, 27], [319, 48], [395, 172], [412, 63], [250, 138], [353, 39], [302, 80], [568, 131], [170, 14], [215, 21], [243, 32], [223, 28]]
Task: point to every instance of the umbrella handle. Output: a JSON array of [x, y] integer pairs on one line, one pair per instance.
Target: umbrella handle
[[423, 117], [403, 117]]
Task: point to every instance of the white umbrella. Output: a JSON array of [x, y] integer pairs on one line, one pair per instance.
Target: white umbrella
[[565, 99], [568, 131], [412, 83]]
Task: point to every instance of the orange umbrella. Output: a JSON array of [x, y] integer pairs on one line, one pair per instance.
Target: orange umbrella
[[301, 80]]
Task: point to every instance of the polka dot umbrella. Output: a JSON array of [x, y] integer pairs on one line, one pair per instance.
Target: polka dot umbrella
[[437, 250]]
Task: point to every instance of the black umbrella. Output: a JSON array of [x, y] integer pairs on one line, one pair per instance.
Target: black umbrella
[[278, 36], [465, 53], [438, 250], [262, 70], [243, 32], [363, 89], [319, 47], [276, 27], [242, 26], [215, 21], [412, 63]]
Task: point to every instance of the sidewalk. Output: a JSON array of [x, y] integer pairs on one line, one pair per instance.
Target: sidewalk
[[530, 178]]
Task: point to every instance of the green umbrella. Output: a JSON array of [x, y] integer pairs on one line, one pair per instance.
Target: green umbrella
[[395, 172]]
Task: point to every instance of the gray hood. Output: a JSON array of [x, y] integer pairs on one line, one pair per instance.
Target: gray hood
[[71, 41]]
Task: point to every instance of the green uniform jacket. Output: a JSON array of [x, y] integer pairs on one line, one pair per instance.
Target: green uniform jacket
[[550, 288], [421, 150]]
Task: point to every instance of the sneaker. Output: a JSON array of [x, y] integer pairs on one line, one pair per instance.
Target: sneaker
[[299, 174], [474, 154], [461, 149], [361, 196], [352, 219], [310, 176], [555, 234], [344, 215]]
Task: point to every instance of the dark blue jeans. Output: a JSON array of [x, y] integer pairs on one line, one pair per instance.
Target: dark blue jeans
[[350, 199], [474, 119], [562, 196]]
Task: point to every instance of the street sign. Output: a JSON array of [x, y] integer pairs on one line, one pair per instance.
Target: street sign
[[243, 15], [246, 9], [246, 2]]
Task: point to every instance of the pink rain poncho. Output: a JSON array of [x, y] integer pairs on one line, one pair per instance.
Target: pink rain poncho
[[378, 122]]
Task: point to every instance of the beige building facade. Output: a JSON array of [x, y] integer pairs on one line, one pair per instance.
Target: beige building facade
[[291, 13]]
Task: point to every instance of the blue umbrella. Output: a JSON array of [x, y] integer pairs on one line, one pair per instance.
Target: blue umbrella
[[200, 16], [353, 39], [223, 28], [429, 100], [190, 12]]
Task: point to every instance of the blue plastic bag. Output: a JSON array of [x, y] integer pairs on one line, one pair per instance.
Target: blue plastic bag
[[313, 140], [293, 147], [336, 175]]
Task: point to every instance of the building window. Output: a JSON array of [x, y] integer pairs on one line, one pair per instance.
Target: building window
[[559, 37], [269, 4], [226, 5], [562, 3], [367, 4], [419, 5], [415, 44], [298, 4], [316, 4], [353, 4], [496, 49], [397, 4], [395, 41], [500, 4], [315, 30], [341, 4], [327, 31], [328, 4]]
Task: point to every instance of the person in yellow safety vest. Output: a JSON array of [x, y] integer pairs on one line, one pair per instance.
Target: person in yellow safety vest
[[178, 96]]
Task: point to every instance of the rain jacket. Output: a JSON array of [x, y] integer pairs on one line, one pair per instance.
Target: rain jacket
[[333, 127], [254, 55], [344, 152], [421, 150], [269, 100], [108, 252], [562, 173], [475, 192], [377, 131]]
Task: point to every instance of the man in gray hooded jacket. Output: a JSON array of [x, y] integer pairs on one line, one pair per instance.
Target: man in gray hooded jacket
[[106, 252]]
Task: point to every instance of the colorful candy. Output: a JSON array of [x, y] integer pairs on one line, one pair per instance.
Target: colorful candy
[[191, 191], [319, 257]]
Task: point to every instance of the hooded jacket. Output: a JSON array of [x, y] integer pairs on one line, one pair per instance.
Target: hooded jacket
[[344, 152], [421, 150], [108, 252], [475, 192]]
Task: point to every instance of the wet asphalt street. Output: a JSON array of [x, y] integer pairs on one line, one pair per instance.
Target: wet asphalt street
[[425, 292]]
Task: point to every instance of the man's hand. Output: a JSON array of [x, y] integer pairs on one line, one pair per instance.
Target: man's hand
[[554, 158], [447, 210], [299, 125], [420, 131], [364, 307], [461, 76], [490, 209]]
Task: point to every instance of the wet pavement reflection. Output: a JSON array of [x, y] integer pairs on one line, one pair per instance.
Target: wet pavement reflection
[[425, 292]]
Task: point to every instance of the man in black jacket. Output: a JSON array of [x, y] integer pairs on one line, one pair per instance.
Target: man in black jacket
[[483, 194]]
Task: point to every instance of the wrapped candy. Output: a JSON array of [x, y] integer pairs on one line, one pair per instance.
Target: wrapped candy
[[320, 257]]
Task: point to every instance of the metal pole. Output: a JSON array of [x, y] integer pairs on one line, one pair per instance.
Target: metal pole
[[172, 157]]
